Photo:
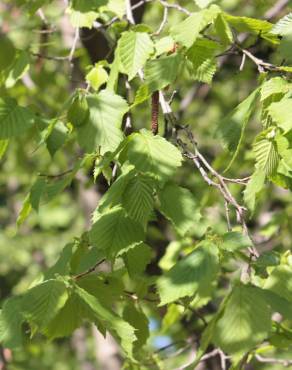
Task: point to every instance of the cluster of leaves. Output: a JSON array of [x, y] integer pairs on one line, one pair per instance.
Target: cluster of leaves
[[140, 169]]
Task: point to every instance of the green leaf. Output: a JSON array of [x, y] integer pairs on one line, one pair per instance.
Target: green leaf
[[234, 240], [178, 205], [7, 52], [162, 72], [254, 186], [223, 30], [136, 317], [137, 258], [246, 321], [281, 114], [231, 128], [134, 49], [119, 328], [42, 302], [18, 69], [10, 323], [280, 282], [202, 56], [97, 76], [114, 232], [57, 138], [189, 30], [283, 26], [194, 274], [153, 155], [277, 303], [252, 25], [102, 129], [138, 198], [203, 3], [114, 194], [80, 19], [3, 147], [275, 85], [14, 119], [164, 45], [67, 319], [266, 153]]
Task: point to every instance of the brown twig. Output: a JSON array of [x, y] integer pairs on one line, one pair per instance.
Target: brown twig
[[154, 112], [275, 9], [89, 271]]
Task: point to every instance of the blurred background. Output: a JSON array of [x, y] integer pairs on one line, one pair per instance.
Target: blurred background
[[45, 84]]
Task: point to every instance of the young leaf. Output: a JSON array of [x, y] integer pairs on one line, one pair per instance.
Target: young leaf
[[14, 119], [102, 129], [114, 232], [134, 49], [97, 76], [179, 206], [252, 25], [246, 321], [194, 274], [18, 69], [189, 30], [231, 129], [280, 282], [153, 155]]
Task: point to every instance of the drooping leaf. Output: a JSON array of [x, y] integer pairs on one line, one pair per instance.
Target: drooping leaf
[[253, 188], [3, 147], [114, 232], [134, 49], [231, 129], [275, 85], [11, 321], [119, 328], [191, 275], [179, 206], [137, 318], [280, 282], [189, 30], [7, 52], [102, 129], [42, 302], [246, 321], [14, 119], [153, 155]]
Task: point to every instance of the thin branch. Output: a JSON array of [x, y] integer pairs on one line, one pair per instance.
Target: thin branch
[[175, 6], [57, 175], [270, 360], [74, 44], [129, 12], [89, 271], [276, 9], [49, 57], [163, 23]]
